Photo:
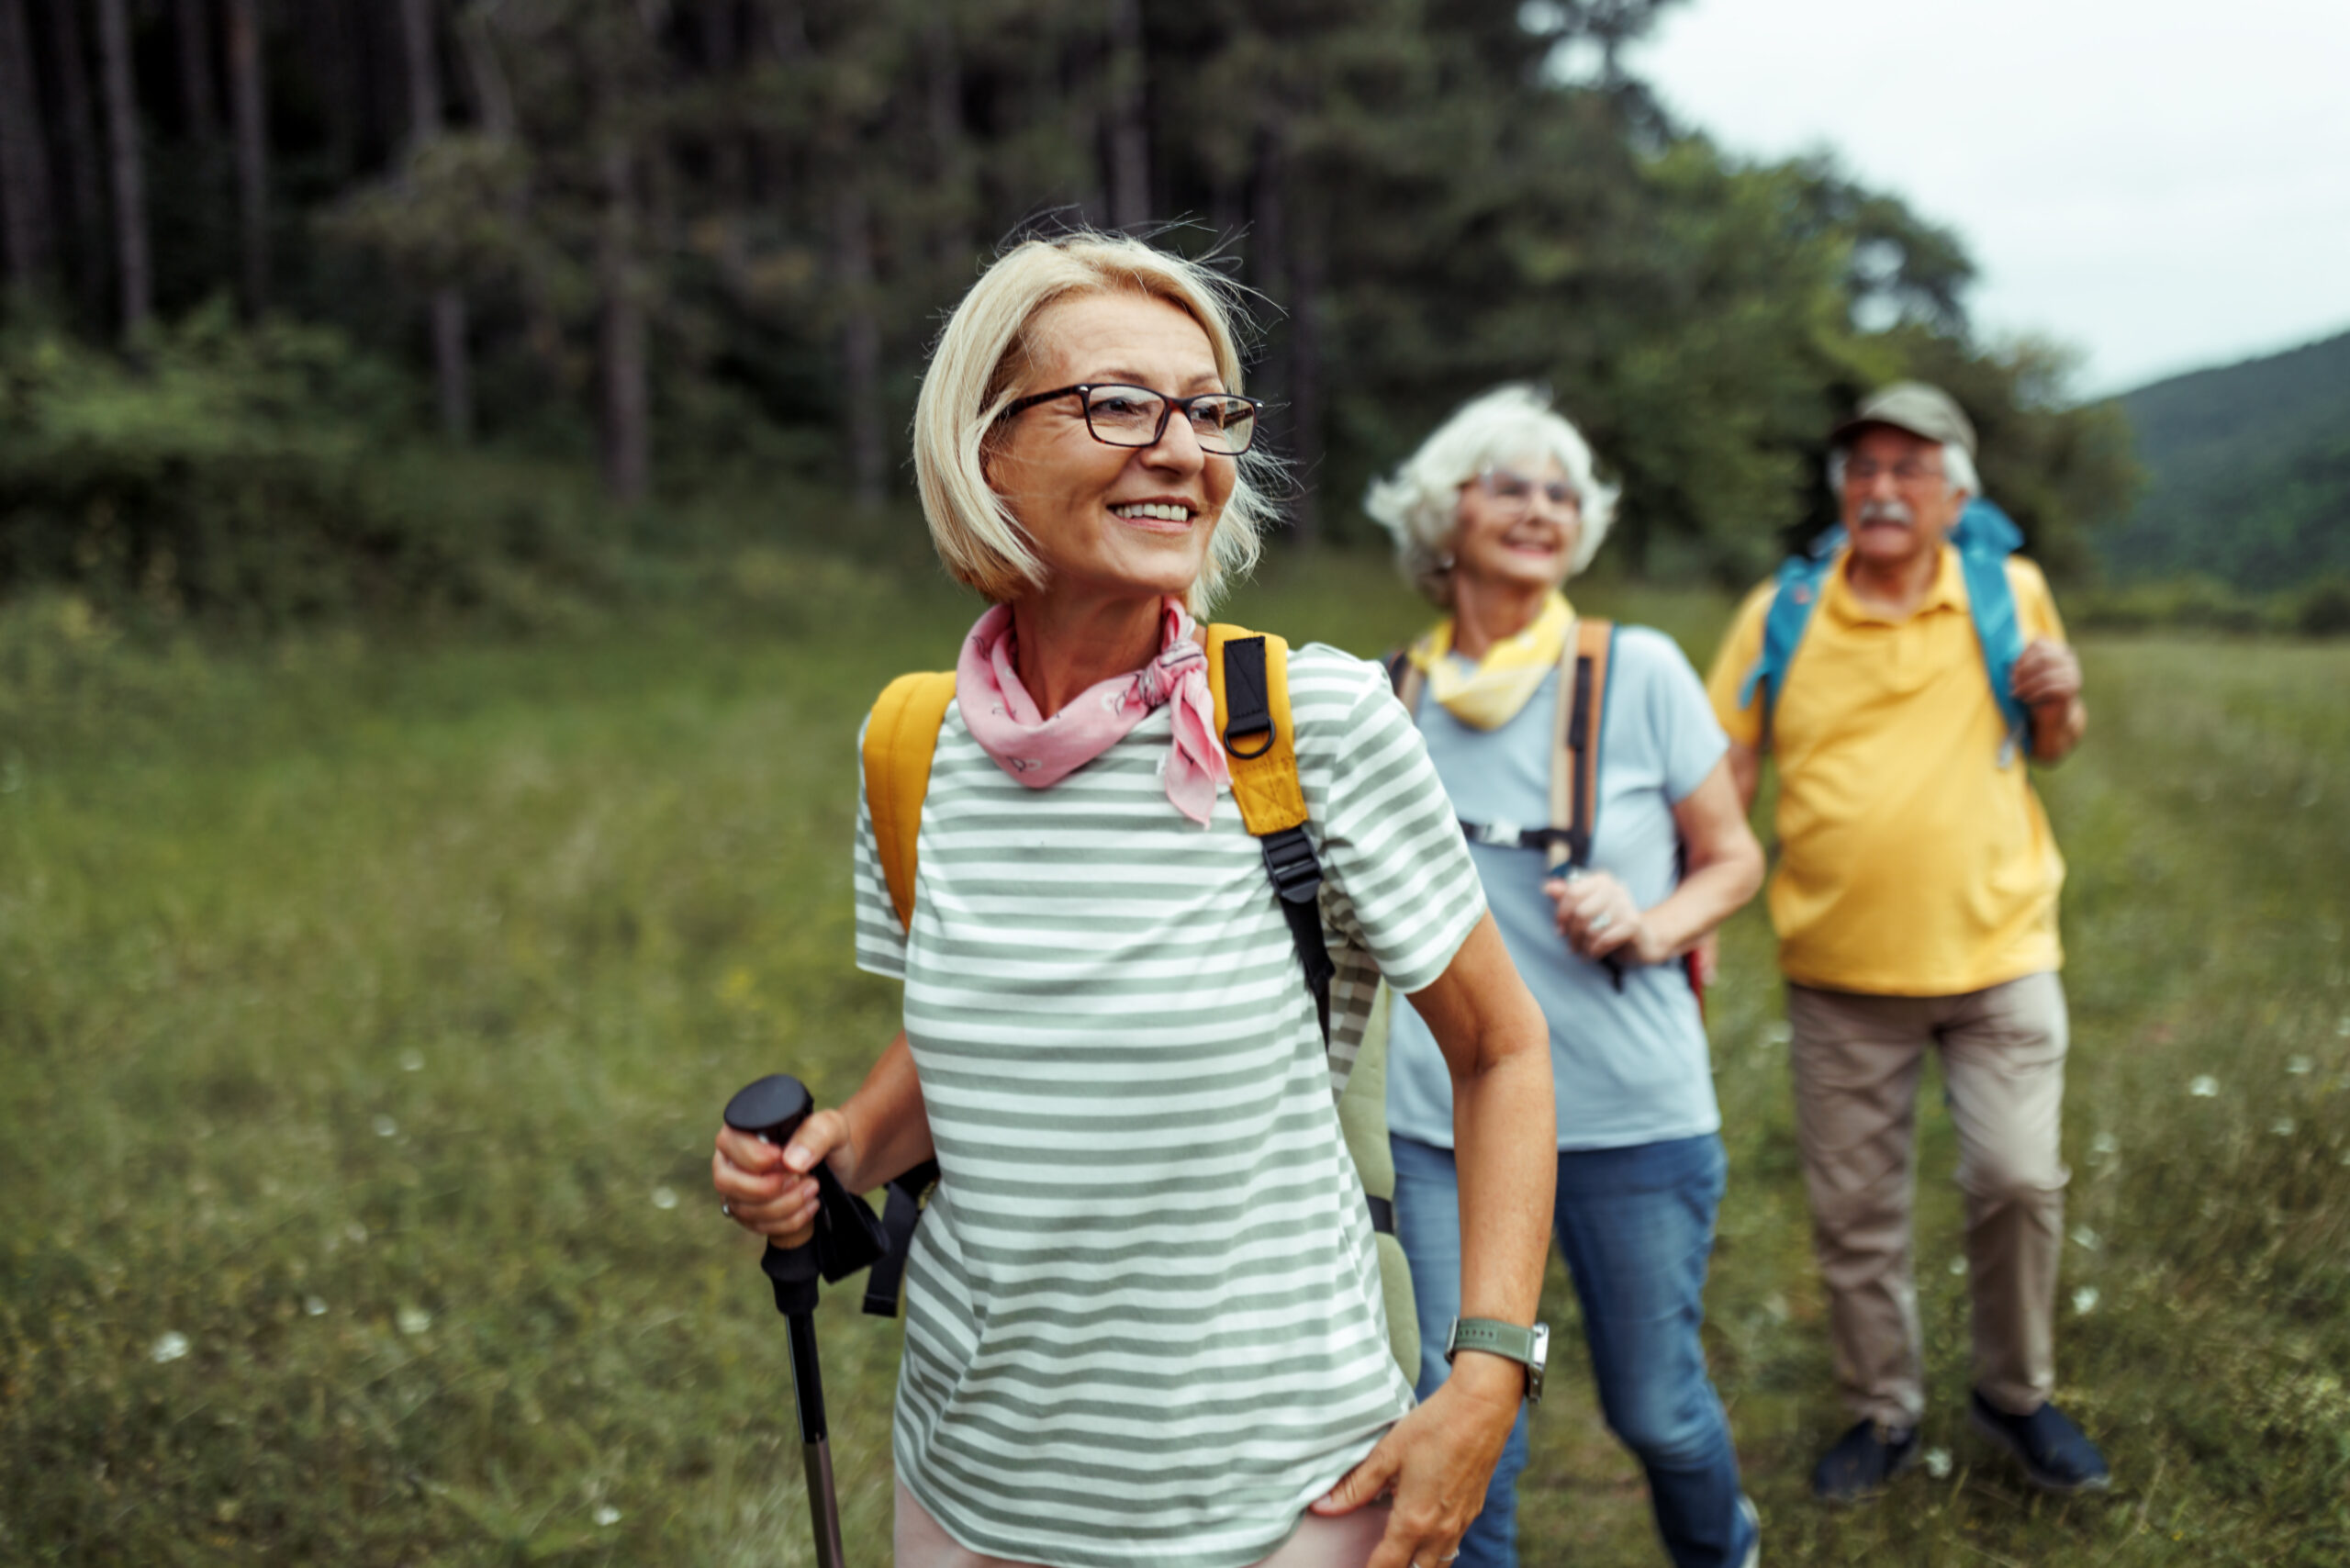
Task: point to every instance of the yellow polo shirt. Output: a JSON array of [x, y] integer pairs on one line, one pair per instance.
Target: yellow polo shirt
[[1910, 862]]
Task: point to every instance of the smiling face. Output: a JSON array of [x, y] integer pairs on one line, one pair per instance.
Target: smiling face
[[1897, 500], [1516, 526], [1113, 521]]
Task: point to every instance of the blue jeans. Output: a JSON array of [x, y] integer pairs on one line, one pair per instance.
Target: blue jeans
[[1636, 1226]]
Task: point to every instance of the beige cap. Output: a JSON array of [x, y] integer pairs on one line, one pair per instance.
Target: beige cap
[[1922, 410]]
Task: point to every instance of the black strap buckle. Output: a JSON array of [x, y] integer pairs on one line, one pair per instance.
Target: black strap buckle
[[1291, 863]]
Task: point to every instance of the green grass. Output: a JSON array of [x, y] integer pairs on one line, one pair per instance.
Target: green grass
[[363, 1006]]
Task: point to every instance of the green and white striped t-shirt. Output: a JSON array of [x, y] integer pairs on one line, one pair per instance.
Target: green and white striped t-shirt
[[1144, 1320]]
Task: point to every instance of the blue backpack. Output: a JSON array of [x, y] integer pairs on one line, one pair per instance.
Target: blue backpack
[[1984, 538]]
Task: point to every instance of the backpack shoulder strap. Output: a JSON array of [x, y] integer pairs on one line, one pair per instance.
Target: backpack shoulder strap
[[1405, 677], [1800, 579], [1248, 675], [1574, 761], [900, 741], [1986, 537]]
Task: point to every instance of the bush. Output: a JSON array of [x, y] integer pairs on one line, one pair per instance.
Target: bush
[[270, 477], [2325, 610], [2189, 603]]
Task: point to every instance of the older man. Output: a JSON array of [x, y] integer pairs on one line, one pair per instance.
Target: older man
[[1915, 904]]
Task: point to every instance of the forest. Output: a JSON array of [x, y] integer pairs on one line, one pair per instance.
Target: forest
[[339, 305]]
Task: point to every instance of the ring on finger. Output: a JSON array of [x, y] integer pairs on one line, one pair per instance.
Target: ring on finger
[[726, 1207], [1599, 922]]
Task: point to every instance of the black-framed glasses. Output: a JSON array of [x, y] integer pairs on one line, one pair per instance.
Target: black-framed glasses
[[1224, 423]]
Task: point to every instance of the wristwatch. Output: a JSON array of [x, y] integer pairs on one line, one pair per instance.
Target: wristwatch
[[1528, 1347]]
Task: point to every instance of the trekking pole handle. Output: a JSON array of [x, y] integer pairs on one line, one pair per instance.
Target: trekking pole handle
[[849, 1236]]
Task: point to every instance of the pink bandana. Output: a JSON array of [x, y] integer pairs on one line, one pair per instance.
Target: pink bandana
[[1038, 751]]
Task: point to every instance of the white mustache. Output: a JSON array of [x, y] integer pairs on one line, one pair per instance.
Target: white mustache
[[1885, 512]]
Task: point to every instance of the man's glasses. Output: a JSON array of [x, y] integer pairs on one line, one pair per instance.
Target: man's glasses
[[1908, 472], [1515, 492], [1224, 423]]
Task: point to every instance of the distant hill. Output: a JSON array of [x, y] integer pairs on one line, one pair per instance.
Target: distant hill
[[2248, 473]]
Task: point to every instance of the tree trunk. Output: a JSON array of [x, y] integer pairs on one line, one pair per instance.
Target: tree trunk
[[199, 94], [452, 364], [84, 194], [245, 93], [1269, 274], [943, 101], [30, 224], [133, 274], [493, 98], [626, 412], [860, 339], [1129, 130], [1309, 273]]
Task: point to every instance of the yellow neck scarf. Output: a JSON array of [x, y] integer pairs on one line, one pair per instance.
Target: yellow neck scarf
[[1490, 696]]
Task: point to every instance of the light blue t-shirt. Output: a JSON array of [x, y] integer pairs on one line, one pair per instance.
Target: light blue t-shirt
[[1630, 1066]]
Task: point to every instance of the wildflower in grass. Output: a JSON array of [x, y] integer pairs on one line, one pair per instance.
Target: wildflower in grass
[[386, 1127], [411, 1061], [665, 1197], [414, 1320], [2300, 1067], [1938, 1463], [2203, 1086], [1778, 1033], [2282, 1126], [170, 1348], [357, 1233], [315, 1305], [1957, 1266], [2084, 1300], [2083, 1237], [606, 1515], [2104, 1143]]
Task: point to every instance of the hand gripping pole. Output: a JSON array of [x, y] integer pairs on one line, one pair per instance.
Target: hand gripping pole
[[847, 1238]]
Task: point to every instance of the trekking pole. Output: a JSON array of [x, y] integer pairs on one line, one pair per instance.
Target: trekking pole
[[847, 1238]]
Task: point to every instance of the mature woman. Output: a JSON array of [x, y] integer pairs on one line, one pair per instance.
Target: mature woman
[[1490, 516], [1144, 1320]]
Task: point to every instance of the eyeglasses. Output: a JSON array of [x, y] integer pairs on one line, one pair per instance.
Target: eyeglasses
[[1908, 471], [1515, 492], [1224, 423]]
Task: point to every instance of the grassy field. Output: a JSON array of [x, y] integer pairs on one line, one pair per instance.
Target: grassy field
[[365, 1009]]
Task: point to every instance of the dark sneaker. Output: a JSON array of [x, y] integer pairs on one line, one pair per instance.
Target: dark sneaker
[[2057, 1456], [1863, 1463]]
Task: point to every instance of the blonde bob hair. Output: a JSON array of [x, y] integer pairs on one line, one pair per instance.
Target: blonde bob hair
[[1420, 504], [981, 366]]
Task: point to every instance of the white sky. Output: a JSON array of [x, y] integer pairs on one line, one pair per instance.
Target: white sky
[[2162, 185]]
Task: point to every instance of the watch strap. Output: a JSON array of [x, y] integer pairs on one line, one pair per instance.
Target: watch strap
[[1528, 1347]]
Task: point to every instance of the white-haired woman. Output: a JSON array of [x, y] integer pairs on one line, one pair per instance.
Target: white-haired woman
[[1492, 514], [1143, 1317]]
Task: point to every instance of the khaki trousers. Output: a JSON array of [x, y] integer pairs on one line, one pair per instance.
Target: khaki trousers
[[1856, 1062]]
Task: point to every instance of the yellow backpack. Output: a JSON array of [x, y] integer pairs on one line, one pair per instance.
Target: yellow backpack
[[1248, 674]]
